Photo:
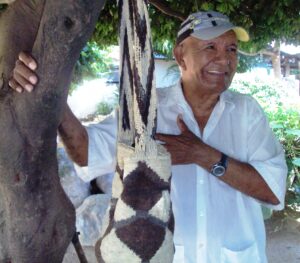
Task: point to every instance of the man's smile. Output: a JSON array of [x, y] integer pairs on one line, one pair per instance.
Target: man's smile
[[217, 72]]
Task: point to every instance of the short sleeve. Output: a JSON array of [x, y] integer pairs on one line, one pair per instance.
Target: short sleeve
[[101, 150], [266, 154]]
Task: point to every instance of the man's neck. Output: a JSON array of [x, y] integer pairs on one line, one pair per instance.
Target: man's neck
[[201, 102]]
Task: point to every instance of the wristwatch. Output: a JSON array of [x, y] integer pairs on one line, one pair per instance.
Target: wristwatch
[[219, 168]]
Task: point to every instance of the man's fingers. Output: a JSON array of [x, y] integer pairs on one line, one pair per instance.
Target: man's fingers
[[23, 82], [171, 139], [25, 72], [28, 60], [23, 75], [177, 156], [14, 85], [164, 137]]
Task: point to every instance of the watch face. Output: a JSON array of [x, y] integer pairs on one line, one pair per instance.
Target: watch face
[[218, 170]]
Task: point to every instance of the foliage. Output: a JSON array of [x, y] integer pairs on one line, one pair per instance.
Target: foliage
[[92, 62], [283, 111], [106, 30], [286, 125], [248, 62], [106, 107], [265, 20]]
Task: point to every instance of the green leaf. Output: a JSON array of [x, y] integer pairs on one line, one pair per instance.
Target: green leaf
[[296, 162], [207, 6], [293, 132], [275, 125]]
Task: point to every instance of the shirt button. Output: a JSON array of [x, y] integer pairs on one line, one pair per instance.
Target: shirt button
[[201, 245], [201, 181], [201, 214]]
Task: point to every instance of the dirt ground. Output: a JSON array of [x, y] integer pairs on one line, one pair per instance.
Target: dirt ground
[[283, 240], [283, 237]]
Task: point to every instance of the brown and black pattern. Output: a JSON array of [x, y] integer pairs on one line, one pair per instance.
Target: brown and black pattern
[[141, 223], [143, 231], [125, 117], [140, 185]]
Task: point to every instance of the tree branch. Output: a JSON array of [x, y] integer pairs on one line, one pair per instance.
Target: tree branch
[[164, 8], [78, 248], [248, 54], [261, 52]]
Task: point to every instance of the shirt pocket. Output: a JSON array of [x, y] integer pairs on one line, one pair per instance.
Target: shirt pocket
[[179, 254], [248, 255]]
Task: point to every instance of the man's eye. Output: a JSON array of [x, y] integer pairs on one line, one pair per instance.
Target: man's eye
[[210, 47], [233, 49]]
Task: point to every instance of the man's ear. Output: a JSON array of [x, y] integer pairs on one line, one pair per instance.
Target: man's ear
[[178, 54]]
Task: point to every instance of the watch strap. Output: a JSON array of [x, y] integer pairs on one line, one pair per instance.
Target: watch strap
[[224, 160]]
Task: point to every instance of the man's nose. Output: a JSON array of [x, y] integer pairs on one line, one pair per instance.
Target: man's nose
[[223, 58]]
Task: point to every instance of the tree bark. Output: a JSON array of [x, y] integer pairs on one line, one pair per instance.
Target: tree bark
[[287, 68], [37, 220], [276, 60]]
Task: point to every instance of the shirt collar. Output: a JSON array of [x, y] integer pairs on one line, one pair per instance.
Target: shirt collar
[[227, 98]]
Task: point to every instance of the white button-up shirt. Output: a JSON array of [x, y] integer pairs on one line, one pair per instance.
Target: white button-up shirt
[[214, 223]]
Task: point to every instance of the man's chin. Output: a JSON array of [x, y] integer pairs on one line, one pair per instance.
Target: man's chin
[[220, 85], [221, 79]]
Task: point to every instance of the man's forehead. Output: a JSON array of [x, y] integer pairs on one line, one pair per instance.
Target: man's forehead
[[228, 37]]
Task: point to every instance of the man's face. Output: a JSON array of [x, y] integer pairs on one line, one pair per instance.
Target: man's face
[[210, 64]]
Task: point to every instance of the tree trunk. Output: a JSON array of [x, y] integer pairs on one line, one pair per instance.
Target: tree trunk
[[287, 68], [37, 221], [276, 60], [299, 76]]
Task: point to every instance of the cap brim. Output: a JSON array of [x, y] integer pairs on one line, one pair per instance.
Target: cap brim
[[241, 34], [207, 34]]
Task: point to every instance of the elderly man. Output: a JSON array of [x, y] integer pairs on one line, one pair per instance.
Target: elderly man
[[226, 161]]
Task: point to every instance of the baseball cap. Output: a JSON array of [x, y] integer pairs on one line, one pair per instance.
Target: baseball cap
[[208, 25]]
